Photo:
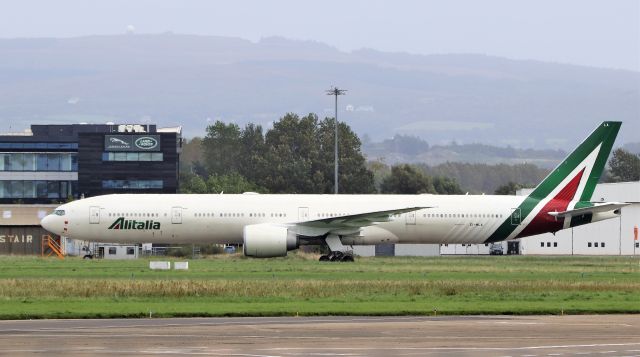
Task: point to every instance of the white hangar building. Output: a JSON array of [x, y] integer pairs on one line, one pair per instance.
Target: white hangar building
[[610, 237]]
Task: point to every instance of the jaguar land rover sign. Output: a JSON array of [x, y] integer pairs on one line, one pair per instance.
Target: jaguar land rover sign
[[132, 143]]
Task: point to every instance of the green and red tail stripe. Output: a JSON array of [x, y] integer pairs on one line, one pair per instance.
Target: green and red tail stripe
[[569, 185]]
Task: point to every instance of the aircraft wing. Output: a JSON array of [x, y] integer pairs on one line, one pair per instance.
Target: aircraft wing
[[597, 208], [348, 224]]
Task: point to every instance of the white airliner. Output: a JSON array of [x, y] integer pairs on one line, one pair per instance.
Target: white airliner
[[271, 225]]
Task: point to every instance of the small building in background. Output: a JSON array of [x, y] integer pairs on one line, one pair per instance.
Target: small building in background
[[615, 236], [20, 230]]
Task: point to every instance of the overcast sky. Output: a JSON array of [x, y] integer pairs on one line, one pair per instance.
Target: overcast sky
[[594, 33]]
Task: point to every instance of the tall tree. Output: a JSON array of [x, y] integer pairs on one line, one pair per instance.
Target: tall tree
[[295, 156], [252, 149], [406, 179], [191, 155], [625, 166], [221, 148], [192, 183], [292, 155], [446, 186], [353, 174]]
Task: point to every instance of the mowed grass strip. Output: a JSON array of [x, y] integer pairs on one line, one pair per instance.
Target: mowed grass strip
[[236, 286]]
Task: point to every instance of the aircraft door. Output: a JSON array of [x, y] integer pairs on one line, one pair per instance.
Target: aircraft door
[[94, 215], [411, 217], [303, 214], [176, 215], [516, 217]]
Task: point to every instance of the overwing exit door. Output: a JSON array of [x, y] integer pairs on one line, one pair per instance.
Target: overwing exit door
[[411, 217]]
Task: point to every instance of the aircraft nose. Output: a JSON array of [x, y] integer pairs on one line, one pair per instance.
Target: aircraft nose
[[52, 223]]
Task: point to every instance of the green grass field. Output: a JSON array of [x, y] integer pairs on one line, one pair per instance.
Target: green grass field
[[235, 286]]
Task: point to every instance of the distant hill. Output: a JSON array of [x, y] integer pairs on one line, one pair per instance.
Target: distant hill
[[410, 149], [192, 80]]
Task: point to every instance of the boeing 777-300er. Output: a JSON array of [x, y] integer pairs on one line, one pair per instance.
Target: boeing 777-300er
[[270, 225]]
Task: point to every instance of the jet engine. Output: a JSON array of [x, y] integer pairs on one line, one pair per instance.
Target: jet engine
[[268, 240]]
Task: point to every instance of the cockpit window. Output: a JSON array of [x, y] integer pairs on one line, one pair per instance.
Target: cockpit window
[[59, 212]]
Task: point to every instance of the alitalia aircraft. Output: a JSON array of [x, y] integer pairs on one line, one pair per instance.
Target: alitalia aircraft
[[271, 225]]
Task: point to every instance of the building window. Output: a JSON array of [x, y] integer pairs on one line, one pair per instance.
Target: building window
[[602, 244], [36, 189], [555, 244], [548, 244], [112, 250], [595, 244], [39, 146], [132, 156], [132, 184], [589, 244], [38, 162], [131, 251], [542, 244]]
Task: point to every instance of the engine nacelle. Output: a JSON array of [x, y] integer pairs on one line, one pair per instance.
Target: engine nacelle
[[268, 240]]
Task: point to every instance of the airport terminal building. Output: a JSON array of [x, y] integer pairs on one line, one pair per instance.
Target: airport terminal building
[[52, 164]]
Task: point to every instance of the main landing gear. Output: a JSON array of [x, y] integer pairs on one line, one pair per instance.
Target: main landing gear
[[339, 253], [337, 257]]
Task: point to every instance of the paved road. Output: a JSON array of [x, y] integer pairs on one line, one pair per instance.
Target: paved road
[[522, 336]]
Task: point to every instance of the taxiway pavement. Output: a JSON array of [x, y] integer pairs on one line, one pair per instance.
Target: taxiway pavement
[[522, 336]]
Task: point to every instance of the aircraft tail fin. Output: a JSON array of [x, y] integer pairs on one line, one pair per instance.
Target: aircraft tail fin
[[566, 189], [579, 173]]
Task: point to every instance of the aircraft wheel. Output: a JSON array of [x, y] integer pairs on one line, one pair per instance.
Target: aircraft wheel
[[324, 258], [347, 258], [336, 256]]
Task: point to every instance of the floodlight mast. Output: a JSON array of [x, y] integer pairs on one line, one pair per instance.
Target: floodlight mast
[[335, 91]]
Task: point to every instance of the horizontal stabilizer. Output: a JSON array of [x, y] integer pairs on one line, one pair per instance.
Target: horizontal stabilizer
[[596, 208]]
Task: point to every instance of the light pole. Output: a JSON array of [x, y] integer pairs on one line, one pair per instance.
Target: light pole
[[335, 91]]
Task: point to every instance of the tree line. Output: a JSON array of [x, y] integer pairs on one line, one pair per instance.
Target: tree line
[[296, 155]]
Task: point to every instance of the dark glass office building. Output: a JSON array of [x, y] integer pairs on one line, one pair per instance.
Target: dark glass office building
[[55, 163]]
